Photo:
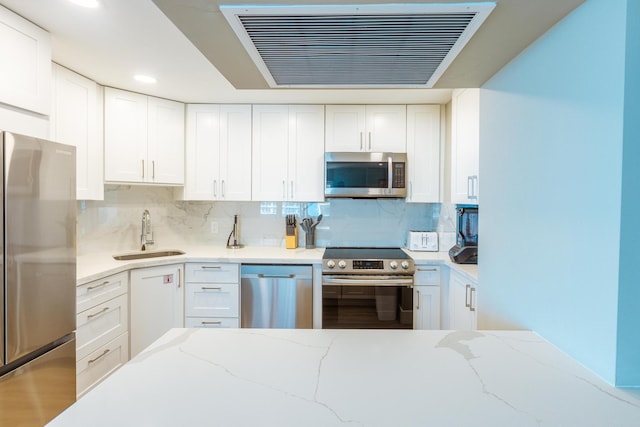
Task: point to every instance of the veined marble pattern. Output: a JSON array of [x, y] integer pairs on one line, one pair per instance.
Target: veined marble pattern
[[248, 377], [115, 223]]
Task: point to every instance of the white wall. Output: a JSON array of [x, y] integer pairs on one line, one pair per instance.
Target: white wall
[[551, 163]]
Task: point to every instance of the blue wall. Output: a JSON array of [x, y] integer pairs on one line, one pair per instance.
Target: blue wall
[[551, 141], [628, 363]]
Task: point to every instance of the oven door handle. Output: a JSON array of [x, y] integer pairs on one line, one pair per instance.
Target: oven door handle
[[373, 281]]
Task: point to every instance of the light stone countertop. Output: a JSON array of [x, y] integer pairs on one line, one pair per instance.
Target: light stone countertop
[[258, 377], [97, 265]]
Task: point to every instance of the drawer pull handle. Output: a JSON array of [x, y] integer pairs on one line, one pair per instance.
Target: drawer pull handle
[[426, 269], [211, 288], [104, 353], [105, 283], [217, 322], [206, 267], [89, 316]]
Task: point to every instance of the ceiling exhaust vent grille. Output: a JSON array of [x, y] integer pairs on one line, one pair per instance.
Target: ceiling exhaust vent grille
[[408, 45]]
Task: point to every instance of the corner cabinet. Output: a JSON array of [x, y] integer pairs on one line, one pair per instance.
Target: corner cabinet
[[157, 304], [426, 297], [288, 153], [212, 298], [25, 50], [463, 302], [375, 128], [218, 153], [465, 145], [102, 329], [423, 153], [76, 119], [144, 139]]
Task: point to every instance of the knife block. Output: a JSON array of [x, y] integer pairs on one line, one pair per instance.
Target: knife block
[[291, 241]]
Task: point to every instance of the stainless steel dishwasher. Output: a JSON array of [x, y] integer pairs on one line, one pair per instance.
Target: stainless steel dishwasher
[[276, 296]]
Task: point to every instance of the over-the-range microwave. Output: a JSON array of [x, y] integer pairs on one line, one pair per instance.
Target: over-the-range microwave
[[365, 175]]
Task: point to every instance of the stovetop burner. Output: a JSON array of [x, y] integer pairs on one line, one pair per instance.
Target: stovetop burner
[[364, 253]]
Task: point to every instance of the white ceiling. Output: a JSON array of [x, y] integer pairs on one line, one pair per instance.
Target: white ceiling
[[125, 37]]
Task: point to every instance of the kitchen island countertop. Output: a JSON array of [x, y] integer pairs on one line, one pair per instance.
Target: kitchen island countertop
[[248, 377]]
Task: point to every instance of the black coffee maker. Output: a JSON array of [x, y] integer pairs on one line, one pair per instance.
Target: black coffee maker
[[466, 249]]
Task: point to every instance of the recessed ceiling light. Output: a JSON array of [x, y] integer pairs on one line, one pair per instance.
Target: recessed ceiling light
[[86, 3], [144, 79]]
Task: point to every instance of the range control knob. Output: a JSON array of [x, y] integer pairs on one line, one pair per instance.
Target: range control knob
[[331, 263], [393, 265], [342, 264], [404, 265]]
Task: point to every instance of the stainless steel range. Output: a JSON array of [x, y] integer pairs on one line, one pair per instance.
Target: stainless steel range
[[367, 288]]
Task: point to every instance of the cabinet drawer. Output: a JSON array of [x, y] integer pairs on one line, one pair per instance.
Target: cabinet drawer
[[212, 299], [99, 291], [211, 322], [100, 324], [212, 272], [100, 363], [427, 275]]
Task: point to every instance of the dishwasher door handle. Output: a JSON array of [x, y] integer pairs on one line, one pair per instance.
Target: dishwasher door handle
[[275, 276]]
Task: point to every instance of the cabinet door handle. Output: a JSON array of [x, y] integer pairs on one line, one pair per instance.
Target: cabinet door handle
[[222, 189], [217, 322], [284, 189], [466, 296], [215, 188], [291, 190], [143, 169], [418, 295], [471, 306], [104, 353], [410, 190], [105, 283], [211, 288], [469, 184], [153, 169], [179, 278], [91, 316], [361, 141], [369, 141]]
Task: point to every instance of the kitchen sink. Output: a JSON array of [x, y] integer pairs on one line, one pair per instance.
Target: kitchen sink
[[147, 254]]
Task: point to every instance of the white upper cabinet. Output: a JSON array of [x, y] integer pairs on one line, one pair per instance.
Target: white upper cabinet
[[25, 75], [423, 153], [76, 120], [144, 139], [288, 153], [465, 144], [376, 128], [218, 152]]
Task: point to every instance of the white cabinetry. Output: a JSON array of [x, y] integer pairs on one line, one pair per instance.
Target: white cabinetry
[[76, 119], [144, 139], [465, 144], [377, 128], [423, 153], [218, 152], [102, 325], [157, 304], [426, 297], [463, 302], [25, 75], [212, 298], [288, 153]]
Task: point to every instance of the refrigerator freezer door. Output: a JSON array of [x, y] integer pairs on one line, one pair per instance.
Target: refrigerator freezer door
[[39, 253], [38, 391]]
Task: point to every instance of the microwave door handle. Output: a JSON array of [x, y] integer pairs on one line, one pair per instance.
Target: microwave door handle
[[390, 175]]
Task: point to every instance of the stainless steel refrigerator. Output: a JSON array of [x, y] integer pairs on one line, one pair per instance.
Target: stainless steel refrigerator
[[37, 298]]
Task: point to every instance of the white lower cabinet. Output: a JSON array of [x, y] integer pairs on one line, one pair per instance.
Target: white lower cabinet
[[463, 302], [157, 304], [212, 298], [102, 325], [426, 297]]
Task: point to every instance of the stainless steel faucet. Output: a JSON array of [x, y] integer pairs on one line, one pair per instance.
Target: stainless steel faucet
[[146, 237]]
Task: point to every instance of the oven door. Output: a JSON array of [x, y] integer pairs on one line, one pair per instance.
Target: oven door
[[367, 302]]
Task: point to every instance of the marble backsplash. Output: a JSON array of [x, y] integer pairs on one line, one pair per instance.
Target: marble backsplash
[[115, 223]]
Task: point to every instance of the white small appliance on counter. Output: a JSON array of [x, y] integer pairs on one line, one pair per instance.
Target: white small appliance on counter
[[426, 241]]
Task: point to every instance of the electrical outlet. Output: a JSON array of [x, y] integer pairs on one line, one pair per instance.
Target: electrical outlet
[[214, 227]]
